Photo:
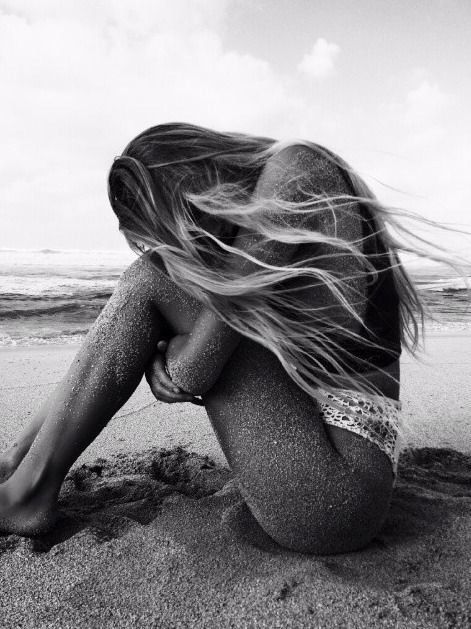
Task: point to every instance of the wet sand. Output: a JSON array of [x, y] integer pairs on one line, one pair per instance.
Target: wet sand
[[153, 535]]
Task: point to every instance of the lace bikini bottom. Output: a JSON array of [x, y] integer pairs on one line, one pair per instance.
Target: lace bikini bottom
[[377, 420]]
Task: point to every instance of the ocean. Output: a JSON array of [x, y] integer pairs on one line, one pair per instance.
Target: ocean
[[53, 297]]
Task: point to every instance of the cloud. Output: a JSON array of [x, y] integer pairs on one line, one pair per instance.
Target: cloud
[[419, 120], [320, 62], [425, 104], [80, 79], [135, 18]]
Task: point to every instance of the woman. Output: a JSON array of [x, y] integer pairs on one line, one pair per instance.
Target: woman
[[268, 285]]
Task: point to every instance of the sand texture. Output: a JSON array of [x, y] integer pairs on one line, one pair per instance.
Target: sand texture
[[158, 540], [155, 535]]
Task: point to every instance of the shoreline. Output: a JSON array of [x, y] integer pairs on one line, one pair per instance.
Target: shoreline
[[434, 411], [429, 332]]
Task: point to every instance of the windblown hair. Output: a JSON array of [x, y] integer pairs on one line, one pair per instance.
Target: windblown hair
[[173, 176]]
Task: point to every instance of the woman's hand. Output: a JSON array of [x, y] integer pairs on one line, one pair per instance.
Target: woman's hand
[[160, 382], [182, 365]]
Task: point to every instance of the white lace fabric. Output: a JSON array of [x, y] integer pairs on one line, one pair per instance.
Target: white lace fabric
[[377, 420]]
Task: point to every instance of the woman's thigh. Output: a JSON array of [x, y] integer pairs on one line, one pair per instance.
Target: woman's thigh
[[310, 489]]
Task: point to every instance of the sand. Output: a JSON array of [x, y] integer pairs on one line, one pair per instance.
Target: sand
[[153, 536]]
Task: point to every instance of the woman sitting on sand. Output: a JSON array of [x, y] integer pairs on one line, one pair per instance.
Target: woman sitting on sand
[[268, 285]]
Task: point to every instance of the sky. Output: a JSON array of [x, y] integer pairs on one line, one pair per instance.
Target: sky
[[385, 84]]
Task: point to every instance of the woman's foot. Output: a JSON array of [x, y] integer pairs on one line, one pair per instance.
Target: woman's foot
[[28, 515]]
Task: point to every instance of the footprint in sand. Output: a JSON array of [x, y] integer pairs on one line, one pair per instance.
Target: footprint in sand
[[108, 497]]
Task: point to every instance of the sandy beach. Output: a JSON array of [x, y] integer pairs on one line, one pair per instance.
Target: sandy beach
[[151, 535]]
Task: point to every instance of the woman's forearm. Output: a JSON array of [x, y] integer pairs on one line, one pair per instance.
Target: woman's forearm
[[208, 347]]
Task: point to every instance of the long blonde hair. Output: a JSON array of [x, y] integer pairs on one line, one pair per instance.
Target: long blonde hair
[[172, 175]]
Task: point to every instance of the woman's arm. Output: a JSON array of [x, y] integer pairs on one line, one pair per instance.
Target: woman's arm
[[195, 361]]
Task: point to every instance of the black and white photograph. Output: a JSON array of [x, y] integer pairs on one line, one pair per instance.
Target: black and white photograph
[[235, 314]]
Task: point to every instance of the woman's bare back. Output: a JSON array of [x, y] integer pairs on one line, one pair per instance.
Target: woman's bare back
[[346, 223]]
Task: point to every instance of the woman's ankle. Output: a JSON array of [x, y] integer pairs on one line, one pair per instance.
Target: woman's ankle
[[28, 493], [27, 480], [9, 461], [11, 458], [25, 513]]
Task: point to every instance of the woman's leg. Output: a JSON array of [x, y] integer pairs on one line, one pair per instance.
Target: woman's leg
[[311, 487], [305, 493], [105, 372], [178, 308], [12, 457]]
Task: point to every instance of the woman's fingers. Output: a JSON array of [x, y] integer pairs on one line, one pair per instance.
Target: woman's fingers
[[170, 398], [162, 346], [162, 386], [159, 372], [163, 394]]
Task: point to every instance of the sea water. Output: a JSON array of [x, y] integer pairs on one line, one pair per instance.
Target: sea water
[[51, 296]]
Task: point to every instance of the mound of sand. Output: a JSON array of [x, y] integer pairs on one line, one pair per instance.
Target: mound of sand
[[160, 540]]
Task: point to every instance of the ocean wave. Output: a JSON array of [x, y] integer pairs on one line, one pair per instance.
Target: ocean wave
[[68, 309], [444, 289], [49, 296], [444, 284], [86, 305], [59, 339], [54, 258], [46, 286], [78, 296], [451, 326]]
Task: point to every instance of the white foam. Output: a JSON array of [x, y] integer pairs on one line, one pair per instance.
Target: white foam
[[57, 285], [54, 258], [443, 284], [63, 339]]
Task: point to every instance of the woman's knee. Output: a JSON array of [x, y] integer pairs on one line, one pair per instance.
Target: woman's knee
[[147, 282], [339, 514]]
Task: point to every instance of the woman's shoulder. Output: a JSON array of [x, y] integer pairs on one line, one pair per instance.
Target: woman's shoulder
[[305, 166], [299, 156]]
